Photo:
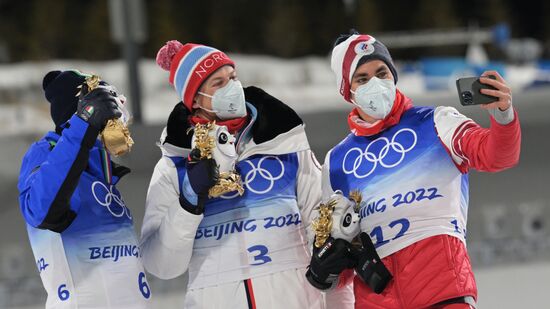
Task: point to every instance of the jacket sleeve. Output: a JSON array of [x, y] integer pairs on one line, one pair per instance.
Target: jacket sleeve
[[48, 179], [168, 231], [326, 186], [471, 146], [308, 189]]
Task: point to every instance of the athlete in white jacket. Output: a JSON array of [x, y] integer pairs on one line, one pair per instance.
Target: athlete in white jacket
[[246, 251]]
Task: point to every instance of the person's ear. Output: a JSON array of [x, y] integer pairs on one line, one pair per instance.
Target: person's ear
[[195, 102]]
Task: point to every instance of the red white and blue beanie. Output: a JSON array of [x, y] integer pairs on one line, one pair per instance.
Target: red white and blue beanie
[[189, 66], [351, 53]]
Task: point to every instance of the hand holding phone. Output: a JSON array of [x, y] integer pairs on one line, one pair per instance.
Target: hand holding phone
[[469, 91], [490, 91]]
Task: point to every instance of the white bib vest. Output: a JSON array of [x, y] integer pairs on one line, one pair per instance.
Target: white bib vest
[[410, 185]]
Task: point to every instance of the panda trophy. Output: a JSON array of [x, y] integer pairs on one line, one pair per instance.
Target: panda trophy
[[215, 142], [338, 218], [115, 136]]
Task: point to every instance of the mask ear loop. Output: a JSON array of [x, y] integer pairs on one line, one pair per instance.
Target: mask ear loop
[[206, 95], [208, 110], [204, 108]]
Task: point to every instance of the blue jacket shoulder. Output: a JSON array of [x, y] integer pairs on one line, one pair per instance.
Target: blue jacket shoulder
[[35, 155]]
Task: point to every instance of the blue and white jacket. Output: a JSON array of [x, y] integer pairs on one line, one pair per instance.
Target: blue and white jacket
[[80, 230]]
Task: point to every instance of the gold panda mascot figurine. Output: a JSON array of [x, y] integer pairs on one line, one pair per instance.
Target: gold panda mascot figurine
[[214, 141]]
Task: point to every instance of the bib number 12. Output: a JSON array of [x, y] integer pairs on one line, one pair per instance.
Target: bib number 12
[[377, 231]]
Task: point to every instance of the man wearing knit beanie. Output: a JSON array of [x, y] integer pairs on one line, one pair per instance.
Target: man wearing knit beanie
[[236, 252], [80, 230], [63, 102], [410, 165]]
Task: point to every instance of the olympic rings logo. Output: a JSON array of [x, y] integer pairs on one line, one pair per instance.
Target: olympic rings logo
[[262, 173], [118, 208], [363, 158]]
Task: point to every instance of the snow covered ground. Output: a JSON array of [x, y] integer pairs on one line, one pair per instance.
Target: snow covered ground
[[306, 84], [504, 287]]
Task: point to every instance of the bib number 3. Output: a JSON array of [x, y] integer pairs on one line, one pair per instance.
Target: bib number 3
[[261, 257]]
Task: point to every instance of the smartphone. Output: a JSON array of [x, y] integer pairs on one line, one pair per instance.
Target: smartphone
[[469, 91]]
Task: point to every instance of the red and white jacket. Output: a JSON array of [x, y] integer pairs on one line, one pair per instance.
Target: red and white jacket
[[414, 180]]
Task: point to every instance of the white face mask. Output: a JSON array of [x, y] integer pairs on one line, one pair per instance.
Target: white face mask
[[121, 103], [228, 102], [121, 100], [375, 97]]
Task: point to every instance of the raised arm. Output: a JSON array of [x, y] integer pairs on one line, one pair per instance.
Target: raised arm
[[48, 179]]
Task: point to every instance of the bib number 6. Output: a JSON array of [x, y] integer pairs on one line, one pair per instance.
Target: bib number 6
[[143, 286], [63, 293]]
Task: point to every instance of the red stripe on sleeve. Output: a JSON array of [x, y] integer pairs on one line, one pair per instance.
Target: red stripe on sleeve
[[490, 150]]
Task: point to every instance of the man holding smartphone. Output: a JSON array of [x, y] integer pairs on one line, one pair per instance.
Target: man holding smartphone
[[411, 165]]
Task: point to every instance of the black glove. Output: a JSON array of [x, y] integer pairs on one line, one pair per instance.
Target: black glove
[[370, 267], [328, 262], [97, 107], [203, 175]]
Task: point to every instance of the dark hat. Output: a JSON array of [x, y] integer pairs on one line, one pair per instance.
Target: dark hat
[[60, 89]]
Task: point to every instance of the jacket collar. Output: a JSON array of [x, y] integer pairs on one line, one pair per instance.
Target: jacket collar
[[273, 128]]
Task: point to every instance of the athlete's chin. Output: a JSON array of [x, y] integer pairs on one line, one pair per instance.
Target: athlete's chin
[[206, 115]]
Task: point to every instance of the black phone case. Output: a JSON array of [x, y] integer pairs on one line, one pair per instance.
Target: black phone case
[[469, 91]]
